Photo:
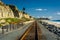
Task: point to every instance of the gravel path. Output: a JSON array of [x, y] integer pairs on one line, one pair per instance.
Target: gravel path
[[49, 35]]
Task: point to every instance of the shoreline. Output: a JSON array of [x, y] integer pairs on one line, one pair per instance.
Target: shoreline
[[57, 24]]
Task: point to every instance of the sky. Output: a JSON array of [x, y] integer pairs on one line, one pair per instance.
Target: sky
[[38, 8]]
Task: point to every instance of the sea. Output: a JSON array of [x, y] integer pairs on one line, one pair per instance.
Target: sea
[[56, 21]]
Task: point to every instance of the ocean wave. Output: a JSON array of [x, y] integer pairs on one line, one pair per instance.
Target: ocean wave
[[55, 22]]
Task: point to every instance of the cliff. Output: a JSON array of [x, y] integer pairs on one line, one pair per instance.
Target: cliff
[[5, 11], [11, 11]]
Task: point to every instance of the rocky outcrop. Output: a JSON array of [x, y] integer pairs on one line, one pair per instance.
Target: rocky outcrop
[[5, 11], [20, 14], [15, 10], [26, 16]]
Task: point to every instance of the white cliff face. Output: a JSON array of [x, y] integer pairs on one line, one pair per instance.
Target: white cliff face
[[5, 11], [20, 15], [26, 16], [9, 13]]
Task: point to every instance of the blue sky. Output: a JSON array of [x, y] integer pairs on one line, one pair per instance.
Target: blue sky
[[38, 8]]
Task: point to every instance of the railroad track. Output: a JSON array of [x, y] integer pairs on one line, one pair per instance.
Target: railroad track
[[33, 33]]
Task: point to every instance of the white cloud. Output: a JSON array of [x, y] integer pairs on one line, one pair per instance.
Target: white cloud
[[39, 9], [58, 13]]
